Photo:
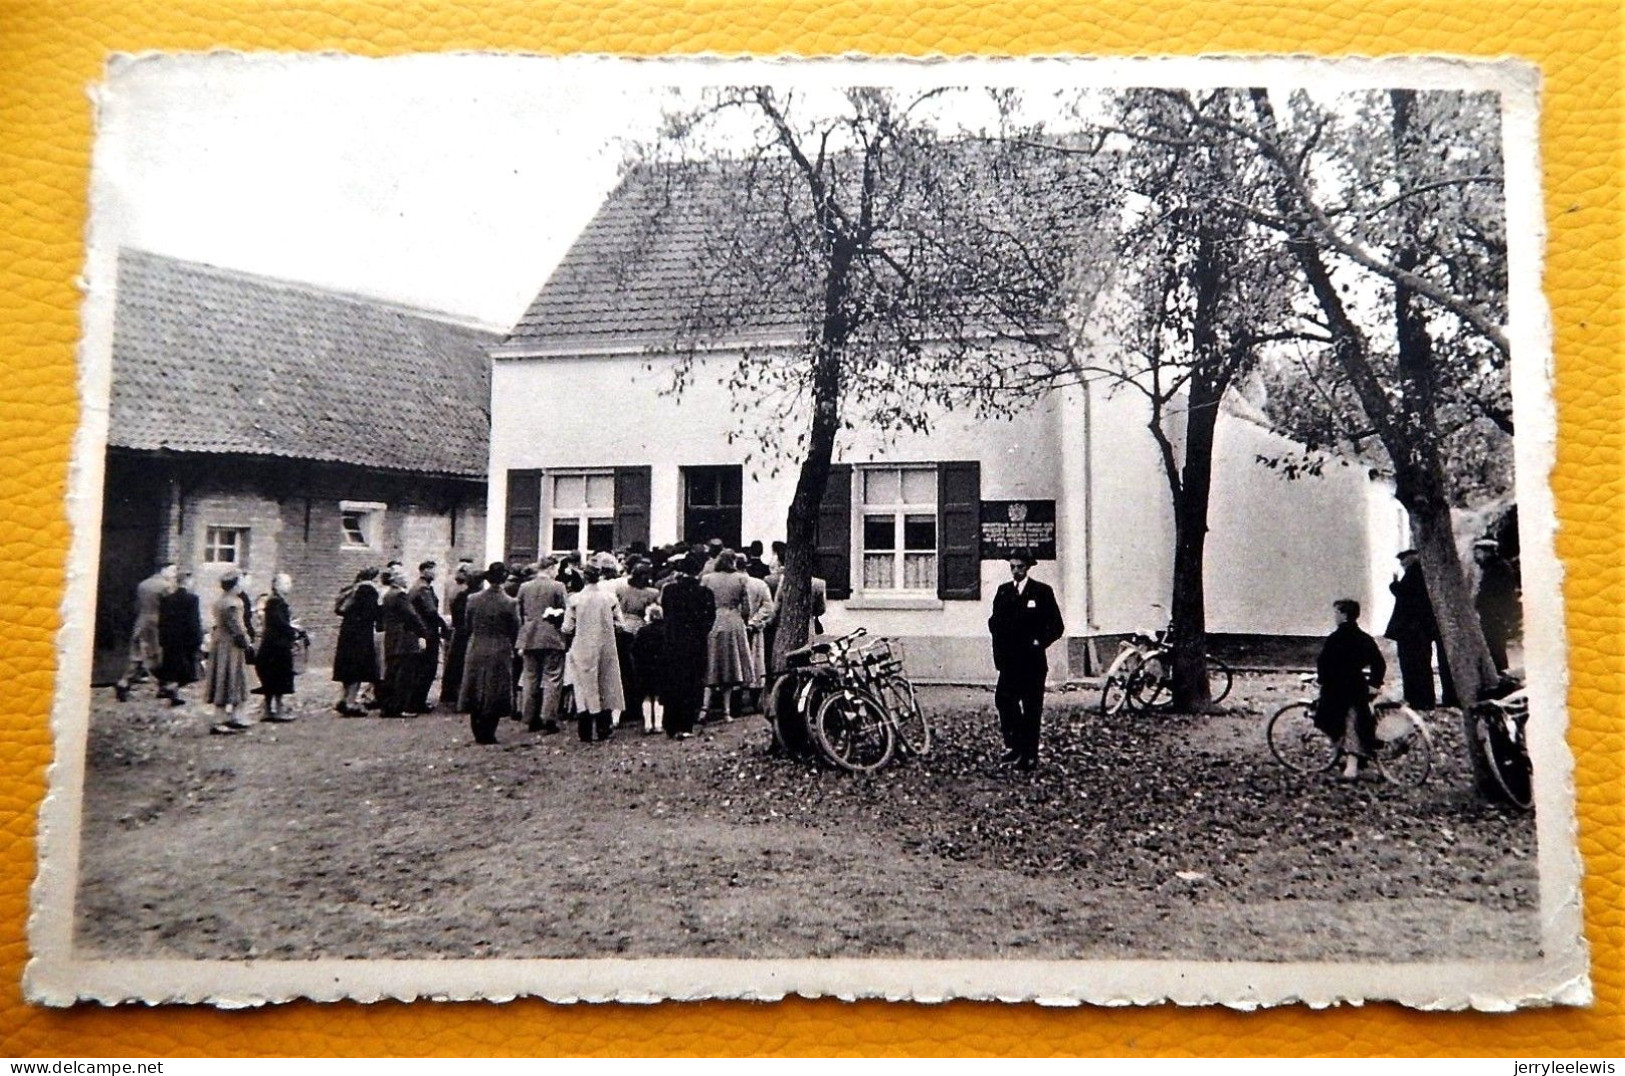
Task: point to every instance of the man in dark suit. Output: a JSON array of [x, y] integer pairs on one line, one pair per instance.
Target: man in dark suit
[[1024, 623], [1413, 631], [426, 603], [1496, 599]]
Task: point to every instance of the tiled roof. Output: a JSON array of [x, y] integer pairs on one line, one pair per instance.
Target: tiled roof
[[630, 277], [218, 361], [641, 272]]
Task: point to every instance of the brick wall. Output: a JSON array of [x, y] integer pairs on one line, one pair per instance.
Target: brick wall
[[291, 515]]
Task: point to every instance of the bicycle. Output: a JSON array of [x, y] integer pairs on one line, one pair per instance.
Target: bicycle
[[1404, 753], [824, 698], [1499, 730], [884, 679], [1142, 675]]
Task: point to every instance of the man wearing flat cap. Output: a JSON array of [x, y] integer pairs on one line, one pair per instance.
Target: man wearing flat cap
[[1025, 621]]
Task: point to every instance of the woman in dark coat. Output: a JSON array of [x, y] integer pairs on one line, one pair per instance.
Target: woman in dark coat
[[355, 656], [273, 658], [690, 611], [180, 635], [487, 694]]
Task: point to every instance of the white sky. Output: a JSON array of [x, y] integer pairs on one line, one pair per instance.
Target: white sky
[[455, 182], [451, 183]]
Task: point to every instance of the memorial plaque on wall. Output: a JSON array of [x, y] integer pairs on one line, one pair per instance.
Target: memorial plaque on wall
[[1008, 526]]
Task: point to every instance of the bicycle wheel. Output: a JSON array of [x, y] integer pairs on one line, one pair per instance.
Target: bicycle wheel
[[852, 731], [1297, 742], [782, 716], [1508, 759], [908, 720], [1149, 685], [1219, 678], [1404, 748], [1114, 692]]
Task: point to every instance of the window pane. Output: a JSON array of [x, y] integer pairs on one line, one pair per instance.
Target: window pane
[[566, 534], [878, 571], [880, 486], [919, 486], [920, 532], [731, 486], [569, 491], [919, 571], [702, 488], [879, 532], [355, 531], [601, 491], [600, 534]]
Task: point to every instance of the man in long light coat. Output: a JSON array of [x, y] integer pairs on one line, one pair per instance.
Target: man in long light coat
[[592, 666]]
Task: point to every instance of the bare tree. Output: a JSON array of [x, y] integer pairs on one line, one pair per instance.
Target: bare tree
[[878, 245]]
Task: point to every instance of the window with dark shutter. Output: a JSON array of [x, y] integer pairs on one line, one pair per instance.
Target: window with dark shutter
[[632, 507], [833, 551], [524, 516], [959, 518]]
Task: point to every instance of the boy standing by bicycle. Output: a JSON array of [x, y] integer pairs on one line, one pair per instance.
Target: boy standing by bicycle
[[1350, 667]]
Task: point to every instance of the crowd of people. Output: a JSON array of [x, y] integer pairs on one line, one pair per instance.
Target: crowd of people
[[169, 645], [667, 637]]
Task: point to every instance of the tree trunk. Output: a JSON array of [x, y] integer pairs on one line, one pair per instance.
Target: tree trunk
[[801, 521], [1188, 629], [1421, 481]]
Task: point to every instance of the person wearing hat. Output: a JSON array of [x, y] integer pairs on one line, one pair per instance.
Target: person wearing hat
[[492, 619], [1496, 599], [1414, 631], [427, 663], [1025, 621]]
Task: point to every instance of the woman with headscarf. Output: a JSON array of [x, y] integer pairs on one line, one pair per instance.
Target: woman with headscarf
[[727, 658], [273, 659], [491, 618], [229, 651], [592, 665], [355, 655]]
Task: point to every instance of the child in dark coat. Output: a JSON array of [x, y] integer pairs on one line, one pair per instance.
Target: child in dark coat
[[649, 657], [1350, 667]]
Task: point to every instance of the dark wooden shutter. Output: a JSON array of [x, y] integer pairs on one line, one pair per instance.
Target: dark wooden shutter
[[632, 506], [959, 525], [524, 516], [832, 557]]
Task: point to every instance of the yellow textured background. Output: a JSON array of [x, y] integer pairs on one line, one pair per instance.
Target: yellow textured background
[[49, 53]]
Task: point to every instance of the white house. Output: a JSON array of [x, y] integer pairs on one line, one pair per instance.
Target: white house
[[589, 450]]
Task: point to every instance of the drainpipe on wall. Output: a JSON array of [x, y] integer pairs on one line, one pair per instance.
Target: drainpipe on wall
[[1088, 511]]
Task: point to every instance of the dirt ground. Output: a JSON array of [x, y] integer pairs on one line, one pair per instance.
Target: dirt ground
[[1153, 836]]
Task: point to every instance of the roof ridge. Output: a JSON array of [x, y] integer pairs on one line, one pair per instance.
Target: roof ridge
[[322, 291]]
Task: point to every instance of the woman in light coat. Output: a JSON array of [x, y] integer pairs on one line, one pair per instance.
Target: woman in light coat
[[728, 662], [229, 650], [592, 667], [760, 611]]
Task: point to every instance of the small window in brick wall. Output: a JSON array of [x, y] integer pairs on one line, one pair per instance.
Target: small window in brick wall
[[225, 545], [361, 523]]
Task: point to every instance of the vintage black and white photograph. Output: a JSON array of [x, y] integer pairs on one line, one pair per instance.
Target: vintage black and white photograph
[[1061, 530]]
